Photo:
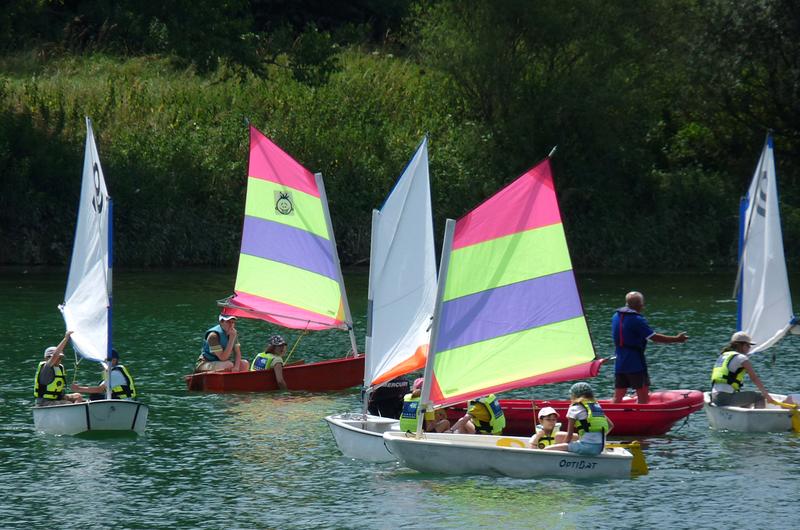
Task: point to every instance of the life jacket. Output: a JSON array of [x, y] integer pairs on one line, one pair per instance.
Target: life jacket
[[497, 420], [408, 418], [721, 374], [265, 361], [595, 420], [55, 390], [223, 342], [547, 440], [126, 391]]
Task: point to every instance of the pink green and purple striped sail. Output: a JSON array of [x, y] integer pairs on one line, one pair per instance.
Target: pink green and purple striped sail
[[511, 315], [288, 273]]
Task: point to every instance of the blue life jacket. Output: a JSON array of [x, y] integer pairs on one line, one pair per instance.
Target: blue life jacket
[[223, 341]]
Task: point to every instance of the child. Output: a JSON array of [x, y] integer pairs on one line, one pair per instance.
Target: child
[[588, 420], [548, 432]]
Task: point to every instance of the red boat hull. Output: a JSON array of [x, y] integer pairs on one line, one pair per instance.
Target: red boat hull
[[630, 418], [323, 376]]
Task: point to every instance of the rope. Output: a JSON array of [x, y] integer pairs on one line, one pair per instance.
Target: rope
[[77, 362], [303, 334]]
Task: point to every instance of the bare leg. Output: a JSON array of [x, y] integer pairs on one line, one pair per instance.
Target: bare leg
[[643, 394], [619, 393]]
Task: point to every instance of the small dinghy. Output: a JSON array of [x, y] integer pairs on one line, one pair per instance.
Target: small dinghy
[[87, 311], [401, 294], [764, 302], [508, 315]]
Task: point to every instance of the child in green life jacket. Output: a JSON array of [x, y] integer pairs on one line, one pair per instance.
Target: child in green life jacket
[[586, 418]]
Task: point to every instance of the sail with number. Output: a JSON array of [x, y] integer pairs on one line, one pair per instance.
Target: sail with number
[[508, 312], [289, 271], [87, 300], [402, 277], [764, 300]]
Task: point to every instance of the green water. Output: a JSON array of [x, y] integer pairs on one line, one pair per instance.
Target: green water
[[269, 461]]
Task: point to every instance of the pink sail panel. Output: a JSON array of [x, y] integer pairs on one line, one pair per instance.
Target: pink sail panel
[[270, 162], [528, 202], [573, 373], [247, 305]]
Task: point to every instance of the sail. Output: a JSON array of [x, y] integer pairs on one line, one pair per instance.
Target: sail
[[288, 268], [508, 313], [402, 277], [765, 303], [88, 296]]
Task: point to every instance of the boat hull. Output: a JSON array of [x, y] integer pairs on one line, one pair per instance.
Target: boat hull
[[323, 376], [104, 415], [770, 419], [464, 454], [360, 436], [629, 417]]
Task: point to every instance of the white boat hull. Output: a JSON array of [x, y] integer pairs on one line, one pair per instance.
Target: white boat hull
[[770, 419], [463, 454], [102, 415], [360, 436]]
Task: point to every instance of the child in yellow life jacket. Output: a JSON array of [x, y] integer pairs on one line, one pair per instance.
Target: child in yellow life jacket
[[587, 418], [548, 432]]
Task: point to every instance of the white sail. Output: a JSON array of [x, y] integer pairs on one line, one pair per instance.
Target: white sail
[[765, 303], [402, 278], [87, 298]]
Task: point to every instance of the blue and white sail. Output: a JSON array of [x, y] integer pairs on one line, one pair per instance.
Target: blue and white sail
[[764, 300], [87, 300]]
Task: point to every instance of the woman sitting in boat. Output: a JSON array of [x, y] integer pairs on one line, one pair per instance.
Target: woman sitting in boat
[[727, 377], [434, 421], [548, 431], [586, 417], [120, 379], [272, 359], [484, 416], [219, 343], [51, 378]]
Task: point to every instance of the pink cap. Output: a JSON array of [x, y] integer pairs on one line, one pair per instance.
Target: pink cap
[[418, 382]]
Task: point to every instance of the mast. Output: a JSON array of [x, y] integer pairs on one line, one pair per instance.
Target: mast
[[348, 318], [449, 230], [376, 215], [110, 213]]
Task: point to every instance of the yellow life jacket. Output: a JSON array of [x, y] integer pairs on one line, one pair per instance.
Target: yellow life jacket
[[408, 418], [126, 391], [497, 420], [721, 373], [54, 390], [547, 439], [595, 421]]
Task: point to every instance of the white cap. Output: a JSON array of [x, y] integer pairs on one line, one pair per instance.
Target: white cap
[[546, 411], [223, 318], [49, 352], [741, 336]]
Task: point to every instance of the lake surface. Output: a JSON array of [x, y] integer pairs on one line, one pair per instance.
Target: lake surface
[[269, 460]]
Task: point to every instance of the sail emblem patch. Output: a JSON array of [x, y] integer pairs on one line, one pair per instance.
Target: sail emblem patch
[[97, 200], [283, 203]]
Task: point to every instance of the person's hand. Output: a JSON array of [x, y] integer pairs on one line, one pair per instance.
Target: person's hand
[[233, 333], [682, 337], [75, 387]]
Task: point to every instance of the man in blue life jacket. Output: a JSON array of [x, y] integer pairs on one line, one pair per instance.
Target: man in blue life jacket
[[221, 351], [119, 379], [51, 378], [631, 332]]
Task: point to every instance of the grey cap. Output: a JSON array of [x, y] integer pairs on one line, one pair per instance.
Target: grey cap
[[741, 336], [581, 389], [49, 352]]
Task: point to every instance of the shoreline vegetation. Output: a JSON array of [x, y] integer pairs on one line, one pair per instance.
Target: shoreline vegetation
[[658, 112]]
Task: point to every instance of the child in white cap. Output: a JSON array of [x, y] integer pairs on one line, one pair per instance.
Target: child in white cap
[[548, 431]]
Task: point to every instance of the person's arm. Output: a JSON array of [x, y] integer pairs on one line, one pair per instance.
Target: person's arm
[[99, 389], [59, 349], [215, 347], [536, 438], [570, 428], [278, 368], [669, 339], [757, 381]]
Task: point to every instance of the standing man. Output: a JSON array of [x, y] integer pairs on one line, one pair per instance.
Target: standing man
[[631, 332], [220, 343]]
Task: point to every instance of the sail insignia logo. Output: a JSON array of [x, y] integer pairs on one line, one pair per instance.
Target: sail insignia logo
[[761, 204], [97, 200], [283, 203]]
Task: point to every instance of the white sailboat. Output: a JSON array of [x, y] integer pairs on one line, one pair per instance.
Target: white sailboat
[[762, 290], [508, 315], [401, 296], [87, 310]]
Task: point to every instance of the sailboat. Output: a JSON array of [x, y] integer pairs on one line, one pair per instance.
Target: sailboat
[[401, 296], [289, 273], [87, 311], [764, 302], [508, 315]]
